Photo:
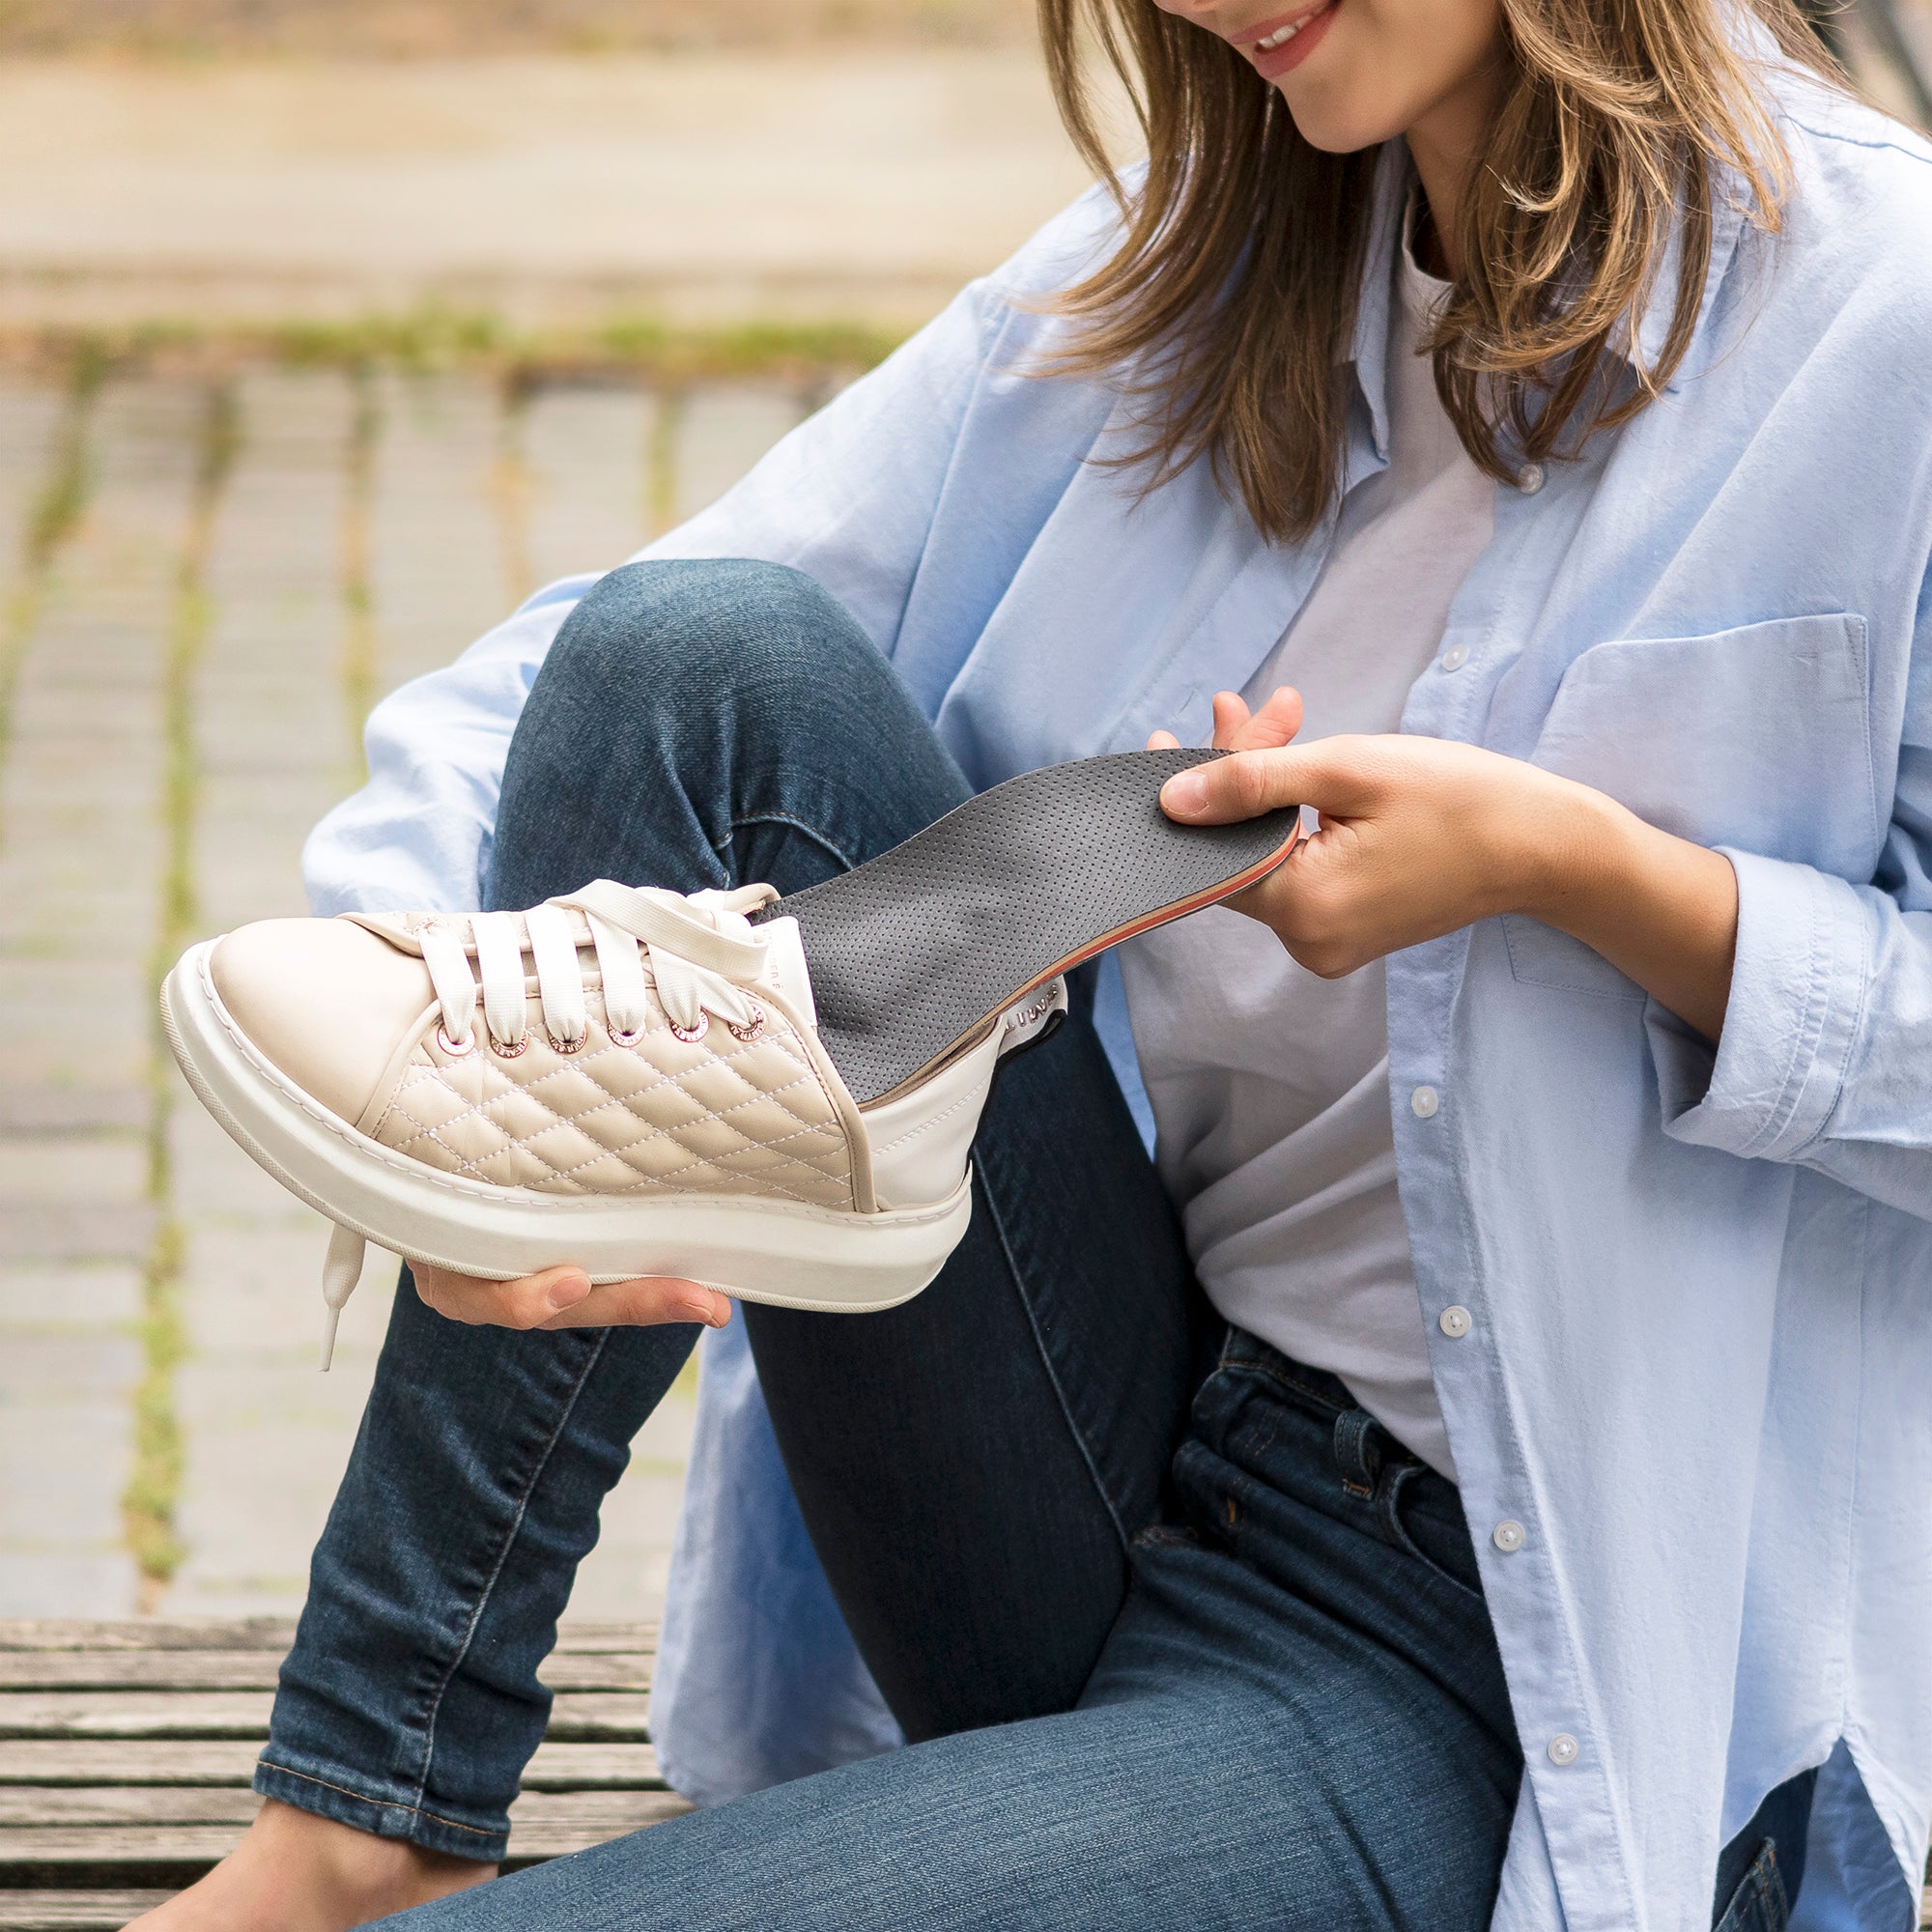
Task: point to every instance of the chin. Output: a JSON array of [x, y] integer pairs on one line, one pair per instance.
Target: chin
[[1339, 126]]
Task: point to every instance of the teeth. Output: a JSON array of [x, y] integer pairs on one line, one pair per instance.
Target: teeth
[[1280, 38]]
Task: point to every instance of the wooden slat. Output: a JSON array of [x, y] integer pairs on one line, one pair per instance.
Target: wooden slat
[[134, 1713], [127, 1749], [150, 1806], [75, 1911], [591, 1716], [45, 1852], [186, 1669], [37, 1805], [82, 1761], [41, 1850], [276, 1634], [588, 1639]]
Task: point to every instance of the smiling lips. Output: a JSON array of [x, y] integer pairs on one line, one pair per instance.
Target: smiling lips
[[1284, 43]]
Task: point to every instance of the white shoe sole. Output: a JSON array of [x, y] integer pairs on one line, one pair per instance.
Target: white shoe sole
[[784, 1252]]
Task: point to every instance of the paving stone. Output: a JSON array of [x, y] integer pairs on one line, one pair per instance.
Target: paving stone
[[72, 1170], [438, 570], [211, 1176], [723, 433], [59, 1368], [255, 1290], [44, 1300], [267, 1444], [79, 872], [34, 1107], [64, 1442], [587, 458], [37, 1583], [76, 1026], [274, 741], [111, 1231], [70, 1503]]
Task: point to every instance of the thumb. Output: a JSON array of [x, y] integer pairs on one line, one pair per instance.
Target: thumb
[[1327, 774]]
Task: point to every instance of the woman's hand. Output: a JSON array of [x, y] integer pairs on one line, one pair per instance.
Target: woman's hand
[[562, 1297], [1421, 836]]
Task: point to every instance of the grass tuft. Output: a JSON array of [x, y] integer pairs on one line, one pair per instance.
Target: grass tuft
[[433, 338], [154, 1485]]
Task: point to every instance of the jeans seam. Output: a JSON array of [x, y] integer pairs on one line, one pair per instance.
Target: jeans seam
[[796, 823], [267, 1763], [537, 1468], [1040, 1349], [1759, 1900]]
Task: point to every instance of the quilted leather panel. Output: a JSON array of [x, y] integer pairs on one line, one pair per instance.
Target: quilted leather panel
[[717, 1116]]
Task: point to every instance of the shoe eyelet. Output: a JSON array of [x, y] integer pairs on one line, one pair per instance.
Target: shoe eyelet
[[690, 1036], [510, 1049], [753, 1030], [626, 1038], [576, 1045], [456, 1049]]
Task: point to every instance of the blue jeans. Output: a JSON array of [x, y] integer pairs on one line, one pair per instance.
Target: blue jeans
[[1181, 1637]]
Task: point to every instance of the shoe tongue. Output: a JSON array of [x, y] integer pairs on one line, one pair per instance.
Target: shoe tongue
[[785, 971]]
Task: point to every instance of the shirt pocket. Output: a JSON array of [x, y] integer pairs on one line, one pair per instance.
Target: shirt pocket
[[1757, 738]]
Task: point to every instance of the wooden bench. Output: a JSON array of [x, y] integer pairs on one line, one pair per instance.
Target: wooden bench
[[126, 1751]]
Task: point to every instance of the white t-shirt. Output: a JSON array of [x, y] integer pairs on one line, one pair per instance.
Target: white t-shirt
[[1269, 1086]]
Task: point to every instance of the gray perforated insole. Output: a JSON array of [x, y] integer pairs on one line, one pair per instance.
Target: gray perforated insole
[[915, 950]]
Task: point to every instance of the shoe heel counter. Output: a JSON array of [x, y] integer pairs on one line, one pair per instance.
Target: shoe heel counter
[[919, 1142]]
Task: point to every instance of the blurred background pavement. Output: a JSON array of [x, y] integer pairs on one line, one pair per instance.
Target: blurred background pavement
[[329, 328]]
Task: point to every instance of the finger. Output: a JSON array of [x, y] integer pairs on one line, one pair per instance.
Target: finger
[[1244, 785], [1342, 778], [1230, 713], [646, 1302], [1273, 725], [525, 1303], [1163, 741]]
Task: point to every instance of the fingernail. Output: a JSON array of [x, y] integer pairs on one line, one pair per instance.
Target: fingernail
[[568, 1292], [713, 1314], [1185, 794]]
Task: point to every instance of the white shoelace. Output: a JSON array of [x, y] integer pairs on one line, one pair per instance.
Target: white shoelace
[[703, 951]]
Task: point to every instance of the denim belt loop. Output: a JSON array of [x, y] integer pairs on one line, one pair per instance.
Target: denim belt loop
[[1377, 1469], [1358, 1451]]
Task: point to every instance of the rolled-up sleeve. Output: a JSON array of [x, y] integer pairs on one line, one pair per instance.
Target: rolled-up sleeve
[[1827, 1051]]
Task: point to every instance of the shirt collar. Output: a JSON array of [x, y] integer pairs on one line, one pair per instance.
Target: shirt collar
[[1644, 343], [1369, 352]]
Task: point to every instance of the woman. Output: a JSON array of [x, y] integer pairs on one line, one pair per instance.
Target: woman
[[1519, 405]]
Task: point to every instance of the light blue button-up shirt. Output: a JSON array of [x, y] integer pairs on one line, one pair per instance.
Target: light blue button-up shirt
[[1698, 1371]]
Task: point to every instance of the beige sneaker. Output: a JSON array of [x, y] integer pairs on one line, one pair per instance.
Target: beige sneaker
[[774, 1098]]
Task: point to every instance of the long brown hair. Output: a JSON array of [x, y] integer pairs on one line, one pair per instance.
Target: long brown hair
[[1232, 289]]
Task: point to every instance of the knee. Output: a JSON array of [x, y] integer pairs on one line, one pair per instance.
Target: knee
[[730, 628]]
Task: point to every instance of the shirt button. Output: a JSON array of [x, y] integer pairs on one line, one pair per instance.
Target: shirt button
[[1455, 657], [1563, 1748], [1455, 1323], [1423, 1102], [1508, 1536], [1529, 478]]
